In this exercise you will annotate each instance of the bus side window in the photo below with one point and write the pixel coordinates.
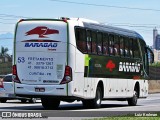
(122, 46)
(80, 40)
(131, 47)
(136, 49)
(105, 44)
(116, 45)
(145, 56)
(99, 43)
(127, 48)
(111, 41)
(88, 41)
(94, 42)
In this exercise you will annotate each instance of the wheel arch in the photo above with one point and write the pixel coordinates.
(137, 87)
(101, 85)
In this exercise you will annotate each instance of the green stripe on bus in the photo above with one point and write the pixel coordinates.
(15, 33)
(87, 59)
(67, 51)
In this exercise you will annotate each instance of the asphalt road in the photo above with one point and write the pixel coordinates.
(150, 106)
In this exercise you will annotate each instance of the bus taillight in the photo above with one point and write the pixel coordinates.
(15, 76)
(67, 75)
(1, 84)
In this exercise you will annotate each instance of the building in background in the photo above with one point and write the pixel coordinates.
(156, 39)
(156, 55)
(156, 45)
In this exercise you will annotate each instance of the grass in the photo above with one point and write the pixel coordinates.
(127, 118)
(155, 64)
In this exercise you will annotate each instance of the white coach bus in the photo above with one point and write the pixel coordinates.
(71, 59)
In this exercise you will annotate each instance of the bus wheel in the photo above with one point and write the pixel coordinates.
(86, 103)
(133, 101)
(50, 103)
(98, 99)
(3, 100)
(32, 100)
(96, 102)
(23, 100)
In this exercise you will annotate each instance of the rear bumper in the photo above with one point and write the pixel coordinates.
(62, 98)
(49, 90)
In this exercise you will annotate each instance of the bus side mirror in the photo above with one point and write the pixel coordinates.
(151, 55)
(152, 61)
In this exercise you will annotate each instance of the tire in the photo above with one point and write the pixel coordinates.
(96, 102)
(23, 100)
(133, 101)
(3, 100)
(50, 103)
(32, 100)
(86, 103)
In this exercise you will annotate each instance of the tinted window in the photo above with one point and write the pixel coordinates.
(8, 78)
(89, 42)
(127, 47)
(80, 39)
(131, 48)
(111, 44)
(99, 43)
(122, 46)
(94, 42)
(105, 44)
(136, 49)
(116, 45)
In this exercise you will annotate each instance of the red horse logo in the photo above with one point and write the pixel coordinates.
(42, 31)
(110, 65)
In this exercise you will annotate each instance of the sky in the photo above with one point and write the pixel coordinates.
(141, 16)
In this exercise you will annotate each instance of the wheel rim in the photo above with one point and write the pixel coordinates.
(34, 100)
(135, 95)
(98, 101)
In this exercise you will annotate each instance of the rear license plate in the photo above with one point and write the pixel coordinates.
(40, 89)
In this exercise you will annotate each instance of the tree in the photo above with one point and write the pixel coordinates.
(4, 52)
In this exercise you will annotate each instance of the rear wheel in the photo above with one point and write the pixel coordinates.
(133, 101)
(23, 100)
(3, 100)
(32, 100)
(50, 103)
(94, 103)
(86, 103)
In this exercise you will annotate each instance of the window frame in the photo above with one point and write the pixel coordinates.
(105, 39)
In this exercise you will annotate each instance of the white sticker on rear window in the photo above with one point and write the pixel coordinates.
(59, 71)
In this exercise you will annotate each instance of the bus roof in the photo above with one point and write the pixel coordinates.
(116, 30)
(96, 25)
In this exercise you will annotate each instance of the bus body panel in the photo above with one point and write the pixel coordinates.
(45, 46)
(50, 90)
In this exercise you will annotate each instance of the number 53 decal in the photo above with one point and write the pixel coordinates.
(21, 59)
